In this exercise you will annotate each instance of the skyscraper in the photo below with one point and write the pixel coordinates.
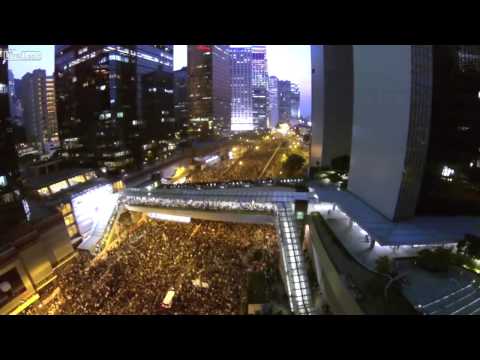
(209, 88)
(452, 170)
(34, 104)
(260, 86)
(52, 125)
(332, 103)
(242, 90)
(284, 103)
(114, 103)
(11, 208)
(180, 92)
(16, 111)
(294, 103)
(273, 101)
(392, 88)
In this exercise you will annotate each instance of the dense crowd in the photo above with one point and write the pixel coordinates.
(205, 262)
(166, 202)
(248, 166)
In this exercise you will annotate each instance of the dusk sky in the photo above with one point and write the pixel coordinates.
(287, 62)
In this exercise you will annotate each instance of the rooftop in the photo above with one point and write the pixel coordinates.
(455, 292)
(54, 177)
(358, 278)
(421, 230)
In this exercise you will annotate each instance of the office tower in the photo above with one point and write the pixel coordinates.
(114, 104)
(180, 93)
(259, 86)
(452, 169)
(209, 88)
(11, 92)
(16, 111)
(11, 207)
(273, 101)
(242, 94)
(284, 103)
(294, 103)
(391, 125)
(34, 104)
(52, 126)
(332, 103)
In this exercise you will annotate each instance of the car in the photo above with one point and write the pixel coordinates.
(168, 299)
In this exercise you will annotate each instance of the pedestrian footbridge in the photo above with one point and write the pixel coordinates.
(255, 204)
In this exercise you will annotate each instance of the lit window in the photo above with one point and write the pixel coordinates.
(69, 220)
(72, 231)
(44, 192)
(3, 181)
(65, 209)
(61, 185)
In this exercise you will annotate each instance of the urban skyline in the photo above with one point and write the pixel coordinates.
(287, 62)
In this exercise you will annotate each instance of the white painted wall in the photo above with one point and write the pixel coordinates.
(382, 87)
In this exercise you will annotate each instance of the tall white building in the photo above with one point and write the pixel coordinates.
(260, 86)
(242, 94)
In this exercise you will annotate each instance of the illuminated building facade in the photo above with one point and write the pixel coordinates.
(114, 104)
(273, 101)
(294, 103)
(209, 89)
(34, 104)
(181, 99)
(284, 103)
(52, 126)
(259, 86)
(242, 95)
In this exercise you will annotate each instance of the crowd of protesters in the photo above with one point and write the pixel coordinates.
(205, 263)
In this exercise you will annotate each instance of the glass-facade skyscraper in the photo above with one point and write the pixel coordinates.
(114, 104)
(180, 92)
(11, 207)
(284, 103)
(242, 94)
(294, 103)
(209, 88)
(273, 101)
(259, 86)
(34, 103)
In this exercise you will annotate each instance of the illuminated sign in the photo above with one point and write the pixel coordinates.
(204, 48)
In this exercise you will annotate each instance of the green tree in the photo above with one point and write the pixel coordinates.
(293, 165)
(437, 260)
